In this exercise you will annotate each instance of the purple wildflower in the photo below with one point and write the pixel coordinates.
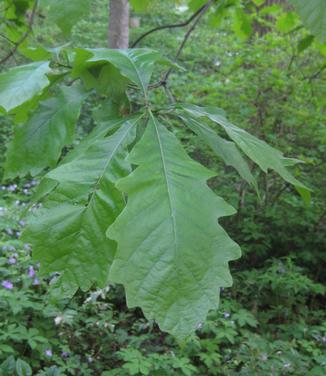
(12, 261)
(31, 272)
(323, 339)
(36, 282)
(7, 285)
(27, 247)
(12, 188)
(281, 269)
(21, 223)
(65, 354)
(4, 248)
(11, 248)
(48, 352)
(226, 315)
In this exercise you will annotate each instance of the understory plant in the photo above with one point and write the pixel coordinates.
(127, 204)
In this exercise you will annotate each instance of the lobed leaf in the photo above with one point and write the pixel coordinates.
(172, 255)
(135, 64)
(68, 234)
(264, 155)
(38, 143)
(20, 84)
(223, 148)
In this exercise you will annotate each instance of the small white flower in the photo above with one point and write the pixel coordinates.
(58, 320)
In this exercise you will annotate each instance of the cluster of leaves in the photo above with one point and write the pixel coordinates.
(278, 329)
(156, 257)
(159, 254)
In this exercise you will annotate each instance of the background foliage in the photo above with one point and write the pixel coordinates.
(272, 321)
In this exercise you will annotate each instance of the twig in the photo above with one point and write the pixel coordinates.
(316, 74)
(170, 26)
(169, 94)
(198, 15)
(7, 39)
(203, 10)
(24, 36)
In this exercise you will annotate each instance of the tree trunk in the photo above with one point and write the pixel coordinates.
(263, 29)
(118, 24)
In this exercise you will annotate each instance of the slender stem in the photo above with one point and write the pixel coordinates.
(203, 10)
(7, 39)
(199, 14)
(316, 74)
(24, 36)
(169, 26)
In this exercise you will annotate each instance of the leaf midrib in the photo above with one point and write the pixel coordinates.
(137, 72)
(167, 183)
(98, 181)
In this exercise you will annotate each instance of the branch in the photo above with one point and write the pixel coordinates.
(203, 10)
(24, 36)
(7, 39)
(316, 74)
(170, 26)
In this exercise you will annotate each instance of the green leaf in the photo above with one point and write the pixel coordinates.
(38, 143)
(225, 149)
(313, 15)
(259, 2)
(135, 64)
(242, 24)
(68, 235)
(22, 368)
(20, 84)
(140, 5)
(47, 184)
(172, 255)
(286, 22)
(265, 156)
(305, 43)
(67, 13)
(194, 5)
(8, 366)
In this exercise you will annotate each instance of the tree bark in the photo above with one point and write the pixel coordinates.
(262, 30)
(119, 24)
